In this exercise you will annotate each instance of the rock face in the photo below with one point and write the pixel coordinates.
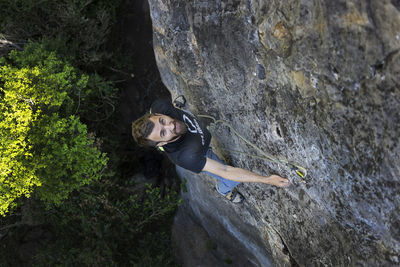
(313, 81)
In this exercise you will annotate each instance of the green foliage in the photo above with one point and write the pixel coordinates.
(109, 225)
(78, 27)
(184, 186)
(50, 110)
(68, 158)
(210, 245)
(228, 261)
(42, 143)
(153, 249)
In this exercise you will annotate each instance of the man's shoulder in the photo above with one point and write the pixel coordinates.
(161, 106)
(189, 156)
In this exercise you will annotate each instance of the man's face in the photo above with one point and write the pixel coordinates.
(166, 129)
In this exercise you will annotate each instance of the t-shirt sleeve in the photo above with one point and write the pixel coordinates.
(194, 162)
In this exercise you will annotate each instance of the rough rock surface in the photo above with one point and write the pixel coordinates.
(314, 81)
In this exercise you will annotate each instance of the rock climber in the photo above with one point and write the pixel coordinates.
(186, 141)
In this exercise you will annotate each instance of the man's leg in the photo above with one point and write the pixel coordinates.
(224, 186)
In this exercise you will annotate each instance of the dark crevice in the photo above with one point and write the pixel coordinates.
(286, 251)
(278, 132)
(382, 64)
(396, 4)
(371, 16)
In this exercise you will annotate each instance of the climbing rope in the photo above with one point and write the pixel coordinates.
(180, 102)
(300, 171)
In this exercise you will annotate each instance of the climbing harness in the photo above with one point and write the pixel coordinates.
(299, 170)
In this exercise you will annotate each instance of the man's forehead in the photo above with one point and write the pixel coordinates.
(154, 116)
(157, 116)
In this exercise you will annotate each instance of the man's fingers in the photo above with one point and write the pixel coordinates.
(278, 181)
(285, 183)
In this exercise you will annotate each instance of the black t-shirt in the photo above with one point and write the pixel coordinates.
(189, 151)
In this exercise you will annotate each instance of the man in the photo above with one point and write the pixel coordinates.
(187, 144)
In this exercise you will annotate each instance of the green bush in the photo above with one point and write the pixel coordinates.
(50, 109)
(43, 144)
(77, 27)
(109, 225)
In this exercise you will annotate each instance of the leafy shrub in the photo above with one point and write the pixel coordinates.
(79, 26)
(110, 225)
(42, 144)
(48, 146)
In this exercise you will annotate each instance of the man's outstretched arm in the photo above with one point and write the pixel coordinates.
(241, 175)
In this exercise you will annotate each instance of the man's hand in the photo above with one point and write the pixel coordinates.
(277, 181)
(241, 175)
